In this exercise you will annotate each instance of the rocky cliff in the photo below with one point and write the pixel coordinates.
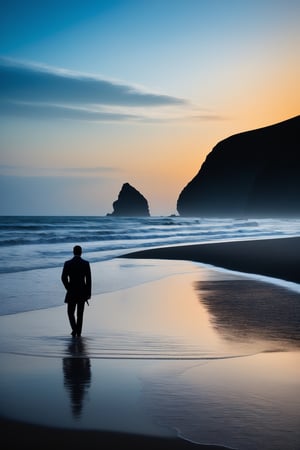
(254, 173)
(130, 203)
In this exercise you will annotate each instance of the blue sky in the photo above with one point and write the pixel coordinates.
(98, 93)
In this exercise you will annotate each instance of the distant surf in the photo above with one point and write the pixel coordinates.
(34, 242)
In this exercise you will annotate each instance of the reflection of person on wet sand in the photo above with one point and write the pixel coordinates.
(77, 375)
(76, 277)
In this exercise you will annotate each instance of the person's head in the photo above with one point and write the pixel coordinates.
(77, 250)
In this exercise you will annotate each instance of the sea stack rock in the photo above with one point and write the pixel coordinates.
(130, 203)
(254, 173)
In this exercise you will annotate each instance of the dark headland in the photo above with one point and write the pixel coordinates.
(250, 174)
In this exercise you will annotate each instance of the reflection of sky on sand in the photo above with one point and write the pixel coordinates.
(34, 390)
(196, 352)
(163, 319)
(246, 403)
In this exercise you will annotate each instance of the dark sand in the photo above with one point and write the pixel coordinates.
(17, 435)
(277, 258)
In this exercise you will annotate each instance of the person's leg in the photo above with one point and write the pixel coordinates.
(71, 315)
(80, 309)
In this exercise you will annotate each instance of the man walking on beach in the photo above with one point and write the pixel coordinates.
(76, 277)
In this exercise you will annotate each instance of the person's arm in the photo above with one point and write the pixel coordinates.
(65, 277)
(88, 280)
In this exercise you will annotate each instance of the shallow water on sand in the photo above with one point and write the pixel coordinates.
(211, 355)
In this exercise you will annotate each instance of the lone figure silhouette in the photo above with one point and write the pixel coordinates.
(76, 277)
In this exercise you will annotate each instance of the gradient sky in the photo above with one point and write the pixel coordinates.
(94, 94)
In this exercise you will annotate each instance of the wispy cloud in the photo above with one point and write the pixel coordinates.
(37, 110)
(40, 91)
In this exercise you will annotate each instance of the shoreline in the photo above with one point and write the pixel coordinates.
(276, 257)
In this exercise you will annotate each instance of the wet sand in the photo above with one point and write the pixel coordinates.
(166, 352)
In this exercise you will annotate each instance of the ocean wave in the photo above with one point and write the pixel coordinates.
(28, 243)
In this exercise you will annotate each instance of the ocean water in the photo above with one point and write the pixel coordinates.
(33, 249)
(29, 243)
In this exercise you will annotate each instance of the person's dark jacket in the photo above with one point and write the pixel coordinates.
(76, 277)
